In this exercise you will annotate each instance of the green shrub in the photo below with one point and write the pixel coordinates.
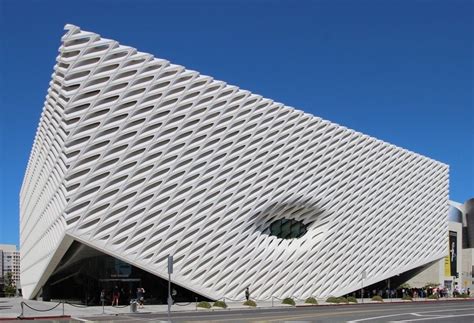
(407, 298)
(289, 301)
(250, 303)
(311, 300)
(433, 296)
(220, 304)
(332, 299)
(352, 299)
(463, 296)
(377, 298)
(204, 304)
(343, 300)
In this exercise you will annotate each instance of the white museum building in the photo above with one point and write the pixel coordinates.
(136, 158)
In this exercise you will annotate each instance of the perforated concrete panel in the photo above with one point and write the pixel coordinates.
(141, 158)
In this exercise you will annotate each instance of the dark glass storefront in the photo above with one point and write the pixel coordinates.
(84, 272)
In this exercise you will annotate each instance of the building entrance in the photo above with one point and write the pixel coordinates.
(127, 287)
(84, 273)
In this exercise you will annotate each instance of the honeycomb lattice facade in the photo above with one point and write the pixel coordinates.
(141, 158)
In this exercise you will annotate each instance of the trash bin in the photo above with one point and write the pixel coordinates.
(133, 306)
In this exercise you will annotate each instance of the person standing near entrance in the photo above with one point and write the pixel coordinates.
(115, 295)
(247, 293)
(173, 295)
(141, 296)
(102, 296)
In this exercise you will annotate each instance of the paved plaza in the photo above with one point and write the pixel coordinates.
(395, 310)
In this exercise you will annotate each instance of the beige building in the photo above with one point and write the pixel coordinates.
(456, 269)
(9, 262)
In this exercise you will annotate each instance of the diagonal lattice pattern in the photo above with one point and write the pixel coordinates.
(141, 158)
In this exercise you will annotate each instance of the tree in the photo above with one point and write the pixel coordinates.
(405, 285)
(9, 287)
(431, 285)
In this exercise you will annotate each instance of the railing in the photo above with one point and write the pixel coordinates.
(23, 305)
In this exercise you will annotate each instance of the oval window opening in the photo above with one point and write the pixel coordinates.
(287, 229)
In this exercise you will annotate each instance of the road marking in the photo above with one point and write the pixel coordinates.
(377, 317)
(415, 314)
(298, 316)
(264, 314)
(431, 318)
(339, 311)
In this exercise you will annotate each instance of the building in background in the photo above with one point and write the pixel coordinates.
(9, 262)
(136, 159)
(456, 269)
(467, 268)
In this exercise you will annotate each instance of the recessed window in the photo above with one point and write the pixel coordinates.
(287, 229)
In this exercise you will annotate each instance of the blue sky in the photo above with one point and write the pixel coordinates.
(399, 70)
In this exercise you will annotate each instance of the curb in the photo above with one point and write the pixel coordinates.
(395, 302)
(301, 306)
(35, 317)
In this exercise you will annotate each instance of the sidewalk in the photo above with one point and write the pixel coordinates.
(11, 307)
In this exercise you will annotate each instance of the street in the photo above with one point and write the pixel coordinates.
(459, 311)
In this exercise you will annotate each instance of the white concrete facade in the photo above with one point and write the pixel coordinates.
(141, 158)
(437, 272)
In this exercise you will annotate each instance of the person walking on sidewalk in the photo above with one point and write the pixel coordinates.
(102, 296)
(115, 295)
(247, 293)
(173, 295)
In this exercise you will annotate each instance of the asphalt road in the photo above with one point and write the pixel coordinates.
(406, 312)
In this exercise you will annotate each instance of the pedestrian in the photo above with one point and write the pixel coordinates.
(141, 296)
(173, 295)
(115, 295)
(130, 295)
(247, 293)
(102, 296)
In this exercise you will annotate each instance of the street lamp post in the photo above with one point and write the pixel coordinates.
(170, 271)
(389, 291)
(363, 276)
